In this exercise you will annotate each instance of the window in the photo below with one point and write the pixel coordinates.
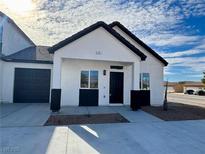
(89, 79)
(84, 79)
(1, 38)
(144, 81)
(93, 79)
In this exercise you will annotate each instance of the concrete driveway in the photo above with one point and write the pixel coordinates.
(144, 138)
(22, 114)
(22, 132)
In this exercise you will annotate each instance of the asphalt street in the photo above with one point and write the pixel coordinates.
(187, 99)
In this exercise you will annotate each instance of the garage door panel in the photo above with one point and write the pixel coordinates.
(31, 85)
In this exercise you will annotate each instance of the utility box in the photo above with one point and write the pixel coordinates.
(139, 98)
(55, 100)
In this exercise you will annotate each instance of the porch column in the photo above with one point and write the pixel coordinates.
(134, 100)
(56, 90)
(57, 64)
(136, 76)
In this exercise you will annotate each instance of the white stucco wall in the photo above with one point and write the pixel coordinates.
(1, 71)
(70, 81)
(97, 45)
(8, 77)
(152, 66)
(102, 49)
(13, 40)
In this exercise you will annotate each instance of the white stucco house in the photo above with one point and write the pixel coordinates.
(99, 65)
(17, 51)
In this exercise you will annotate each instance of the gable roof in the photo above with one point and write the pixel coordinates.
(17, 27)
(92, 28)
(125, 30)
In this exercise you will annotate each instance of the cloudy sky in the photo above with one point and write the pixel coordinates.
(173, 28)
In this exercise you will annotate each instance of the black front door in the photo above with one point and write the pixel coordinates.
(116, 87)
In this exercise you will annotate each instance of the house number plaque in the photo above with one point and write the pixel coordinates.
(98, 53)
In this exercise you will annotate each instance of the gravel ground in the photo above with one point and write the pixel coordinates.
(57, 120)
(177, 111)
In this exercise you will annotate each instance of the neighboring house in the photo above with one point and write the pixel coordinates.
(16, 51)
(171, 87)
(181, 87)
(99, 65)
(191, 85)
(12, 39)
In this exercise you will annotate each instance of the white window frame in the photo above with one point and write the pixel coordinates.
(89, 78)
(141, 80)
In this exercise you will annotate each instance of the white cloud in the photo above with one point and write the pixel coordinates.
(194, 64)
(199, 49)
(193, 7)
(181, 53)
(171, 39)
(52, 21)
(189, 60)
(185, 69)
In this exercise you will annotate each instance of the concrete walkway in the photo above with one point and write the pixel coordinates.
(22, 132)
(132, 116)
(22, 115)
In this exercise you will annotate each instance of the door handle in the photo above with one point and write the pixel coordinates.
(110, 94)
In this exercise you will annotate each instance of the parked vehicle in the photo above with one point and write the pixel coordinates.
(200, 92)
(189, 92)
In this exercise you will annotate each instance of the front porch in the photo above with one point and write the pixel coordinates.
(125, 111)
(95, 82)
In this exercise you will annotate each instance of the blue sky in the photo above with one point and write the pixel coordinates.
(173, 28)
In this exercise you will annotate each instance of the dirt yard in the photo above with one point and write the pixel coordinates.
(85, 119)
(177, 111)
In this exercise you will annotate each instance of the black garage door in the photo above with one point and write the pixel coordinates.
(31, 85)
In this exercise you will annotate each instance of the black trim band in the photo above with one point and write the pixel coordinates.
(88, 97)
(27, 61)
